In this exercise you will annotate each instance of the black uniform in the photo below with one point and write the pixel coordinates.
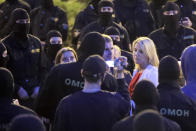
(136, 18)
(24, 51)
(6, 9)
(126, 124)
(48, 17)
(95, 26)
(177, 106)
(188, 9)
(90, 112)
(166, 45)
(8, 111)
(68, 79)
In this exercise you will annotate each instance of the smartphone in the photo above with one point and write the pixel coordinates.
(110, 63)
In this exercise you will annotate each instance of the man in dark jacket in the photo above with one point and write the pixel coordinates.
(135, 16)
(8, 110)
(105, 10)
(173, 37)
(48, 17)
(65, 79)
(86, 16)
(6, 9)
(91, 109)
(188, 12)
(24, 52)
(174, 104)
(146, 96)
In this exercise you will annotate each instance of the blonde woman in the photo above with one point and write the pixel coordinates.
(146, 62)
(66, 55)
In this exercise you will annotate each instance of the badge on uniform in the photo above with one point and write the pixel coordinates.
(188, 37)
(35, 51)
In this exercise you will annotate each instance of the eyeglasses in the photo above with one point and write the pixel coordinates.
(22, 21)
(107, 9)
(170, 13)
(56, 40)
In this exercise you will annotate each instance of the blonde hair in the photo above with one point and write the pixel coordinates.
(149, 49)
(107, 38)
(63, 50)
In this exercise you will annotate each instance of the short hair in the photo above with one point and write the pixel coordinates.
(63, 50)
(148, 120)
(107, 38)
(149, 49)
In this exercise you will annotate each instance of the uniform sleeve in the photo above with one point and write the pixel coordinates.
(126, 40)
(61, 118)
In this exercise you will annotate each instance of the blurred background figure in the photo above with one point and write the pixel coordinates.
(136, 18)
(48, 17)
(146, 62)
(156, 7)
(66, 55)
(33, 3)
(8, 110)
(188, 68)
(3, 55)
(26, 123)
(6, 9)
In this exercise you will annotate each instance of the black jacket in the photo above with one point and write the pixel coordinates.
(8, 111)
(136, 18)
(175, 105)
(90, 111)
(44, 20)
(5, 11)
(167, 45)
(63, 80)
(24, 61)
(126, 124)
(95, 26)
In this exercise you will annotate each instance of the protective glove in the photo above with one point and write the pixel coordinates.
(22, 93)
(35, 92)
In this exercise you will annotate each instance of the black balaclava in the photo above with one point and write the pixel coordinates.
(20, 22)
(145, 94)
(51, 48)
(3, 55)
(112, 32)
(92, 43)
(169, 69)
(6, 83)
(105, 18)
(26, 122)
(47, 4)
(171, 22)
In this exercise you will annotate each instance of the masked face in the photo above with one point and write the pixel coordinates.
(160, 2)
(53, 47)
(22, 26)
(171, 18)
(11, 1)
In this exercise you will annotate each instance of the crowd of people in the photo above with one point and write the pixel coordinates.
(130, 66)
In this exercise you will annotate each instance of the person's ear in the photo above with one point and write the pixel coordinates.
(82, 73)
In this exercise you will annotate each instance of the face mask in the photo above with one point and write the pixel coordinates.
(47, 3)
(171, 18)
(22, 26)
